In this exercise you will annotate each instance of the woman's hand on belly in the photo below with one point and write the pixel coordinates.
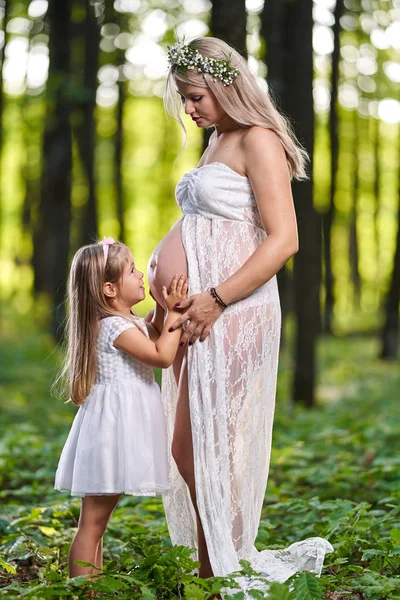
(201, 311)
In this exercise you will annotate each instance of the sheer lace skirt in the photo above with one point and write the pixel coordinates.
(232, 384)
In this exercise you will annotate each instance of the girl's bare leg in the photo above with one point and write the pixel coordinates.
(99, 555)
(87, 544)
(182, 451)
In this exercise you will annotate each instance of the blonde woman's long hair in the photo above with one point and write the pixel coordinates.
(87, 306)
(245, 101)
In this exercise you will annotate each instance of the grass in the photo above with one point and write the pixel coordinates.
(335, 472)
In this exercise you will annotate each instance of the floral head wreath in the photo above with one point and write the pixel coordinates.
(183, 56)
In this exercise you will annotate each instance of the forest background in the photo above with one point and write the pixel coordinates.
(86, 151)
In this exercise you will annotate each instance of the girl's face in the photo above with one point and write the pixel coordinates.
(130, 286)
(201, 104)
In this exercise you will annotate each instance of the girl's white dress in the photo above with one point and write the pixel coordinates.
(117, 443)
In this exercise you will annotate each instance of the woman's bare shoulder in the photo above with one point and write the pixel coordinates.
(261, 144)
(260, 138)
(262, 149)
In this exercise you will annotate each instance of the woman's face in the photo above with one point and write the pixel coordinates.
(201, 104)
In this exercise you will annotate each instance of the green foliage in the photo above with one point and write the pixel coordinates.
(307, 587)
(7, 567)
(279, 591)
(334, 472)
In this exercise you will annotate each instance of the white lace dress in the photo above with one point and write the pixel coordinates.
(117, 443)
(232, 383)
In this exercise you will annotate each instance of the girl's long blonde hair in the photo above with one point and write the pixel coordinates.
(245, 101)
(87, 306)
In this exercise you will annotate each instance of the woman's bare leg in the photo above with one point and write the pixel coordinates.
(87, 544)
(182, 451)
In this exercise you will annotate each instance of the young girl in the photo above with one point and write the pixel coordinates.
(117, 443)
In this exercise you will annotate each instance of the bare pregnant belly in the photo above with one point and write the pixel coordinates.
(167, 259)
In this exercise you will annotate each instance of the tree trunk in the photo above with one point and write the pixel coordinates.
(377, 196)
(390, 332)
(51, 236)
(272, 29)
(228, 23)
(329, 216)
(298, 102)
(32, 125)
(29, 172)
(86, 126)
(353, 231)
(119, 149)
(119, 136)
(6, 5)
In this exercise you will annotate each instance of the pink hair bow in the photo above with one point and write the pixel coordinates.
(106, 242)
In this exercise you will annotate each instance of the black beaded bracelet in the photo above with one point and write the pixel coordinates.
(217, 297)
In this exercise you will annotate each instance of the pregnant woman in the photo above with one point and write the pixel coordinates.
(238, 229)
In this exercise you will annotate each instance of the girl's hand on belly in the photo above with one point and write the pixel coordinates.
(201, 310)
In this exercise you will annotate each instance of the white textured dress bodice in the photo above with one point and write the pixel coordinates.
(113, 365)
(216, 191)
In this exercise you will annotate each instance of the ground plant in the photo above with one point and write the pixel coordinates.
(335, 472)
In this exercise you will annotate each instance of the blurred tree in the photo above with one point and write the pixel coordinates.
(52, 227)
(375, 135)
(363, 79)
(119, 153)
(84, 119)
(272, 30)
(390, 332)
(4, 6)
(287, 30)
(122, 24)
(298, 103)
(119, 135)
(32, 131)
(329, 215)
(228, 23)
(353, 225)
(32, 124)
